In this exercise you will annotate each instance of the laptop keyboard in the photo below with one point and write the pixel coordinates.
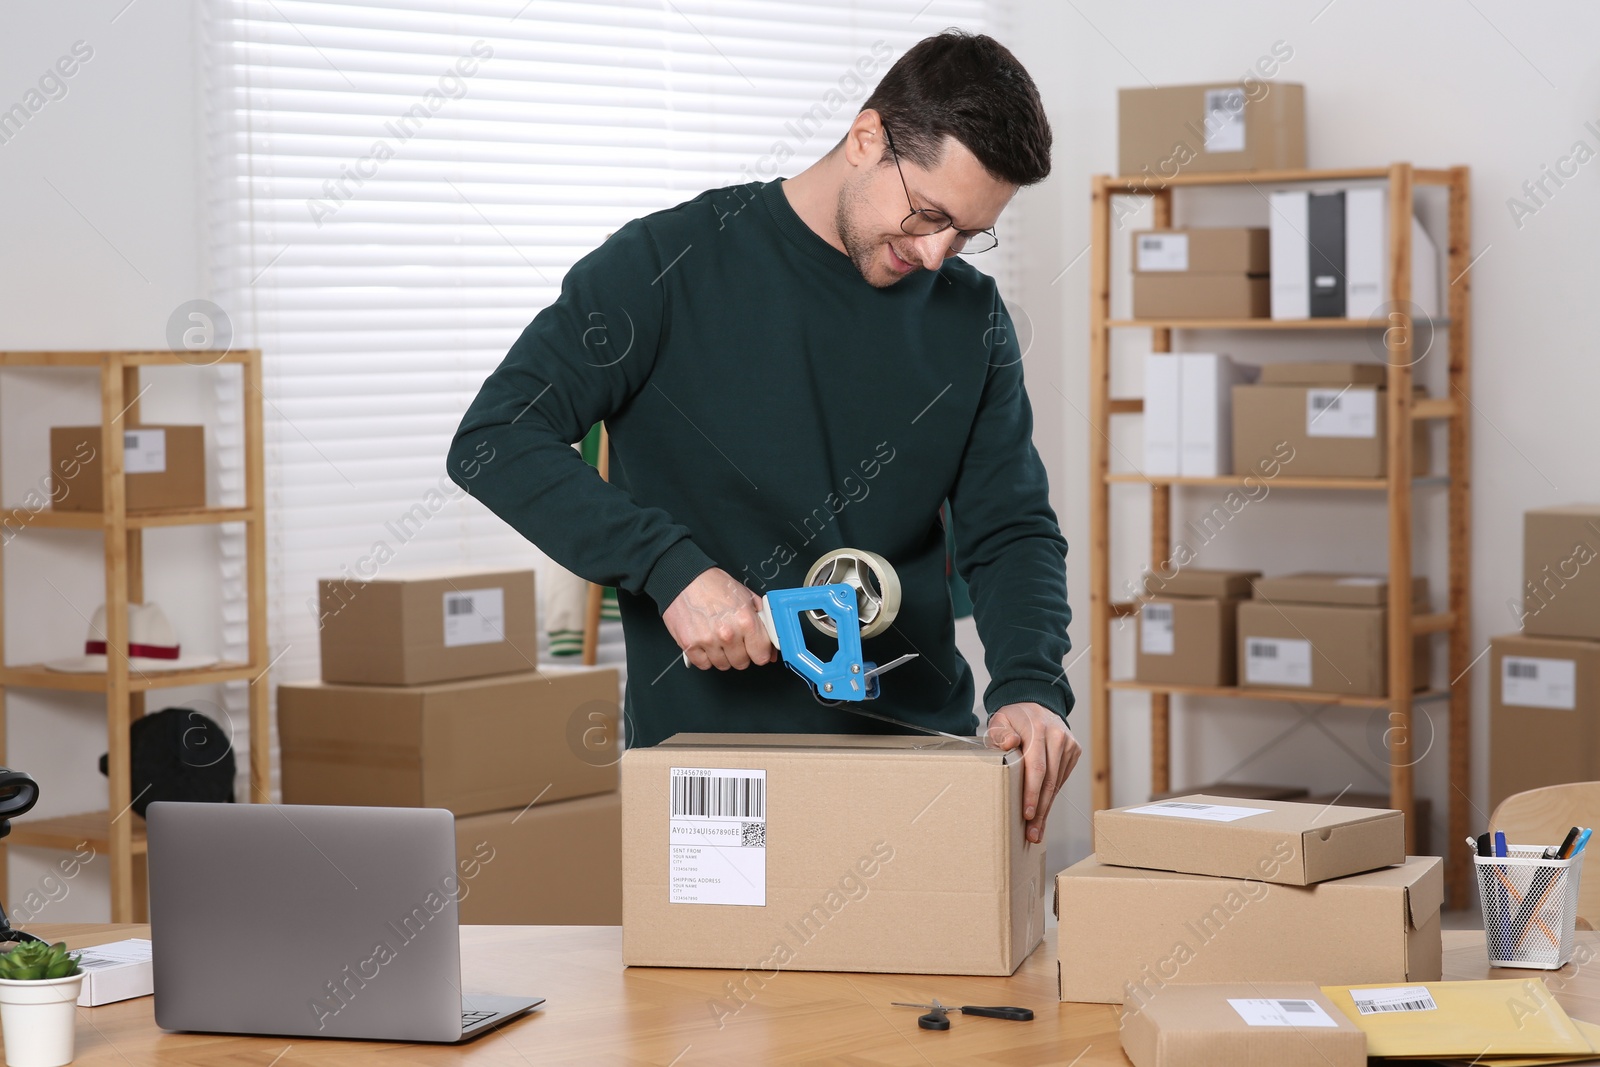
(470, 1018)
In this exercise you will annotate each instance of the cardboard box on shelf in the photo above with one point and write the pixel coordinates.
(844, 846)
(1186, 641)
(1561, 581)
(1163, 131)
(1324, 372)
(1334, 587)
(545, 865)
(1211, 250)
(1127, 935)
(1218, 583)
(1350, 799)
(1336, 431)
(428, 626)
(1322, 648)
(1285, 1024)
(1271, 840)
(1237, 791)
(1200, 296)
(164, 467)
(469, 746)
(1544, 697)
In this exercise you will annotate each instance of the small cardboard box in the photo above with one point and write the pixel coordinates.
(1544, 698)
(1335, 431)
(1186, 641)
(1237, 791)
(1212, 250)
(1322, 648)
(428, 627)
(1560, 547)
(1284, 1024)
(543, 865)
(1126, 935)
(824, 852)
(1350, 799)
(1324, 372)
(1167, 130)
(1272, 840)
(469, 746)
(1201, 296)
(164, 467)
(118, 970)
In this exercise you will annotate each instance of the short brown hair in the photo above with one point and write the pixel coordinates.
(970, 87)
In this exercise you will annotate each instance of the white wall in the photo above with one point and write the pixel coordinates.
(99, 207)
(1506, 92)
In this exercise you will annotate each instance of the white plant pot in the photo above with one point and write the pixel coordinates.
(39, 1020)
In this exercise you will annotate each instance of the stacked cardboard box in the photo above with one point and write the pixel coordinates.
(1330, 417)
(431, 696)
(1544, 682)
(1250, 124)
(1212, 889)
(1187, 627)
(1201, 274)
(1325, 633)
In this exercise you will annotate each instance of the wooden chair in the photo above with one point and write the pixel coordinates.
(1543, 816)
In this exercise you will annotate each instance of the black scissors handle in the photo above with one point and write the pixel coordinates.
(934, 1020)
(1021, 1015)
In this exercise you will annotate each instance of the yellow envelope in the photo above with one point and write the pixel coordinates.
(1589, 1030)
(1511, 1017)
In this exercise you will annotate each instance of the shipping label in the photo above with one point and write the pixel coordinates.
(1224, 120)
(1163, 251)
(1534, 682)
(1341, 412)
(474, 617)
(1188, 809)
(1393, 998)
(144, 451)
(1269, 1011)
(1155, 629)
(1277, 661)
(717, 839)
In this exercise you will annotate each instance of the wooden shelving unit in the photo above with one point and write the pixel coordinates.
(116, 831)
(1403, 410)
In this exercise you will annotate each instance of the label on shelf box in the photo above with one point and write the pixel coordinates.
(144, 451)
(474, 617)
(1345, 412)
(1277, 661)
(1530, 682)
(717, 837)
(1163, 251)
(1155, 629)
(1224, 120)
(1273, 1012)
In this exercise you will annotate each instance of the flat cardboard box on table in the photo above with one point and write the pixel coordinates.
(165, 468)
(1347, 441)
(1167, 130)
(1349, 798)
(1544, 697)
(428, 626)
(1200, 1026)
(894, 854)
(469, 746)
(1561, 571)
(1127, 934)
(1271, 840)
(543, 865)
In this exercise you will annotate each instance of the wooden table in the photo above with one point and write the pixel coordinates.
(602, 1013)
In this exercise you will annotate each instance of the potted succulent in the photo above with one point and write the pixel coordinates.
(39, 986)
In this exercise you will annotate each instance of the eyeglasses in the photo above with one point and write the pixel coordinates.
(925, 221)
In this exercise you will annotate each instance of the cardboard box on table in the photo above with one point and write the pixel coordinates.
(1325, 633)
(428, 626)
(543, 865)
(470, 746)
(1242, 1024)
(896, 854)
(1127, 934)
(164, 467)
(1273, 840)
(1561, 571)
(1186, 627)
(1544, 697)
(1163, 131)
(1349, 798)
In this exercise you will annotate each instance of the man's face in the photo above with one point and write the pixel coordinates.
(872, 206)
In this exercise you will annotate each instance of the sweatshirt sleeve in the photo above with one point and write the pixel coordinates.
(580, 361)
(1009, 547)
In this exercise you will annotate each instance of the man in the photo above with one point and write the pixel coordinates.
(791, 367)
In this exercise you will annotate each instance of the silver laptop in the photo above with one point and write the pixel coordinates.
(311, 921)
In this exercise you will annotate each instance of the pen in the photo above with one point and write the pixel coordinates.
(1483, 845)
(1499, 843)
(1557, 851)
(1583, 839)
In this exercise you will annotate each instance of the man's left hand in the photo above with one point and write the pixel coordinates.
(1049, 752)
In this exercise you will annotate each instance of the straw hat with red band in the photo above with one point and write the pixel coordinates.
(152, 645)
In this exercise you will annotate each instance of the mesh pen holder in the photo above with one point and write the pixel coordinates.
(1530, 907)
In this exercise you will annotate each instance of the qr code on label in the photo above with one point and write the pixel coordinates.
(753, 834)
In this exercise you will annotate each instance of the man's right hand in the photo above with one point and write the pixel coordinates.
(715, 622)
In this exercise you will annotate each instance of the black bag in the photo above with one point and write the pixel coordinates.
(179, 754)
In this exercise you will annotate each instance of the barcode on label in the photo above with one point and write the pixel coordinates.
(1263, 650)
(720, 797)
(1301, 1006)
(1368, 1008)
(458, 603)
(1325, 403)
(1522, 669)
(1151, 243)
(1401, 998)
(1158, 613)
(1184, 804)
(89, 963)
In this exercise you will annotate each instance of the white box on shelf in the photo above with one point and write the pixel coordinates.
(1205, 412)
(1290, 256)
(1161, 414)
(1366, 220)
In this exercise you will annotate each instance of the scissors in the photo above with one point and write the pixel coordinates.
(938, 1017)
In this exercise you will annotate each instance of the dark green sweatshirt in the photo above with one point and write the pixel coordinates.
(766, 405)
